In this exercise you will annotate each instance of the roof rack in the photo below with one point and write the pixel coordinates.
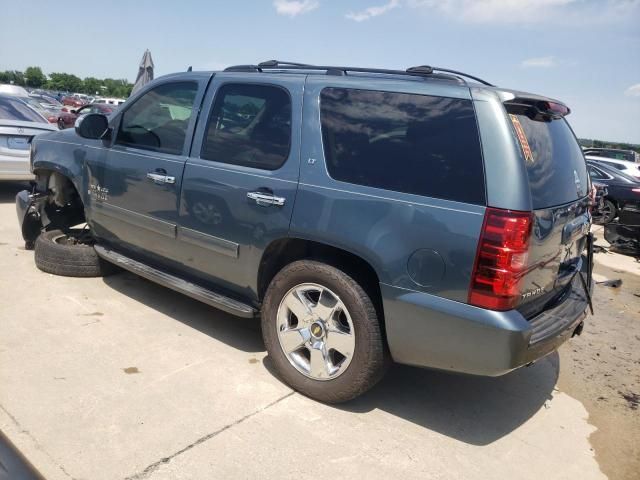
(419, 71)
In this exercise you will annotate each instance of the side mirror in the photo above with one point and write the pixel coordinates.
(92, 126)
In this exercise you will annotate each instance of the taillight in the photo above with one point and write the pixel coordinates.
(636, 190)
(501, 259)
(52, 119)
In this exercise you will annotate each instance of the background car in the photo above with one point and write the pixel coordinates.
(622, 190)
(68, 119)
(615, 153)
(628, 168)
(19, 123)
(110, 101)
(73, 101)
(47, 101)
(15, 90)
(51, 114)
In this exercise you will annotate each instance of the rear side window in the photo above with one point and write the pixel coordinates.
(416, 144)
(555, 164)
(250, 125)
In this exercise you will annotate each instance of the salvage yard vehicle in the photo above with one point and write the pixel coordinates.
(631, 169)
(622, 190)
(423, 216)
(19, 123)
(68, 119)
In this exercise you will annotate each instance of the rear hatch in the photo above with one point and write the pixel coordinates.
(559, 186)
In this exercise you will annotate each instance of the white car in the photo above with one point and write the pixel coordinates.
(110, 101)
(630, 168)
(15, 90)
(19, 123)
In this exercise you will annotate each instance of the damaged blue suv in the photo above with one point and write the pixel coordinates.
(365, 215)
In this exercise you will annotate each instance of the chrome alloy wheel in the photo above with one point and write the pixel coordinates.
(315, 331)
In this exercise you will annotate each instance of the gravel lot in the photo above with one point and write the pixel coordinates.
(120, 378)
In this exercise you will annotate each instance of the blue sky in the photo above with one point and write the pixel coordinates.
(584, 52)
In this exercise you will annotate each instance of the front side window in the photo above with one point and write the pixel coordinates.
(250, 125)
(418, 144)
(159, 119)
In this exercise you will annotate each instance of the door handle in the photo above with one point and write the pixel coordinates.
(161, 179)
(265, 199)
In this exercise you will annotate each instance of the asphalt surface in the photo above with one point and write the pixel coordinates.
(120, 378)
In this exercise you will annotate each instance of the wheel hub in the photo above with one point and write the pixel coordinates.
(315, 331)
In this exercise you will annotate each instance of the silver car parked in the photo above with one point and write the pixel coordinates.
(19, 123)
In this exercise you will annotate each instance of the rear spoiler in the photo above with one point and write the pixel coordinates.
(537, 109)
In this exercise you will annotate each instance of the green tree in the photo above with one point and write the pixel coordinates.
(34, 77)
(91, 86)
(64, 82)
(12, 76)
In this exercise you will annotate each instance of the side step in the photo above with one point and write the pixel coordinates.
(192, 290)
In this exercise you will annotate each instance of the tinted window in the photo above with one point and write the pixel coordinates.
(597, 174)
(554, 161)
(249, 125)
(14, 109)
(409, 143)
(159, 119)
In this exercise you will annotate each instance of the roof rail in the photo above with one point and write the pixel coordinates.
(419, 71)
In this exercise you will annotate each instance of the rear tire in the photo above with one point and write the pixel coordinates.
(337, 319)
(69, 255)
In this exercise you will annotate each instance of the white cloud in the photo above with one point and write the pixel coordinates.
(530, 11)
(371, 12)
(539, 62)
(633, 91)
(292, 8)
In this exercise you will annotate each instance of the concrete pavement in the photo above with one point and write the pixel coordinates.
(120, 378)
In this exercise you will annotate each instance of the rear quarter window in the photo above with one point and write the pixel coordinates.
(417, 144)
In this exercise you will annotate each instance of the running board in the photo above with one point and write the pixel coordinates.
(192, 290)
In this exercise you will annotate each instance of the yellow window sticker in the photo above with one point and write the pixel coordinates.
(522, 138)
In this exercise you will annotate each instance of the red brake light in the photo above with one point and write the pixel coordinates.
(501, 259)
(636, 190)
(558, 108)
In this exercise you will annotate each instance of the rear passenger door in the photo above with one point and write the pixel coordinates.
(240, 181)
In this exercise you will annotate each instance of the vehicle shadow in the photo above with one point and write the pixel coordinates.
(243, 334)
(9, 190)
(471, 409)
(474, 410)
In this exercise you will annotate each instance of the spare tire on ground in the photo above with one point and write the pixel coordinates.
(70, 254)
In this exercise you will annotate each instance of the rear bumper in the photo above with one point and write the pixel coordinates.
(15, 167)
(434, 332)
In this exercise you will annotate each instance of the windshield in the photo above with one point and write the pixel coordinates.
(14, 109)
(554, 160)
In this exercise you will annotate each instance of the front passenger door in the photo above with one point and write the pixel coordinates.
(136, 204)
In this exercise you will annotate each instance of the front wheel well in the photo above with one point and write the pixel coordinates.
(285, 251)
(63, 205)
